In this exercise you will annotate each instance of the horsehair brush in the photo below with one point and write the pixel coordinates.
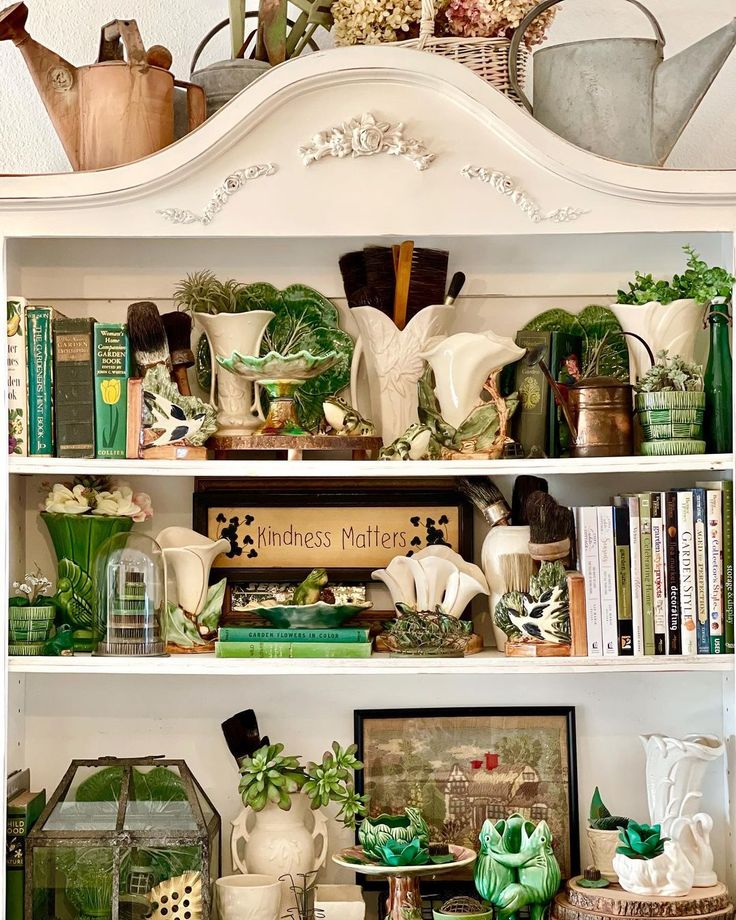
(178, 329)
(551, 528)
(524, 486)
(147, 336)
(487, 498)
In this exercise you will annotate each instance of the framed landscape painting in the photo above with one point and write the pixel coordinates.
(461, 766)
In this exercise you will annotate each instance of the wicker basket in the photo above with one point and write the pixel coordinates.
(488, 57)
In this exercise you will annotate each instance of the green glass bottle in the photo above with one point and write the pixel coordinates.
(719, 382)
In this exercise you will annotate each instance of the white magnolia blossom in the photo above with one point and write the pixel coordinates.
(120, 503)
(80, 500)
(62, 500)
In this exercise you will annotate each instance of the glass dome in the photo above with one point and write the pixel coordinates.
(131, 596)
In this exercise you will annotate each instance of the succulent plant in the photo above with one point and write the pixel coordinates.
(268, 776)
(375, 833)
(640, 841)
(400, 853)
(600, 817)
(671, 374)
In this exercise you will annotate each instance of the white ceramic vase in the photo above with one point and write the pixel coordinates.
(602, 851)
(190, 555)
(462, 363)
(669, 875)
(238, 412)
(497, 559)
(675, 769)
(340, 902)
(276, 842)
(672, 326)
(394, 364)
(248, 897)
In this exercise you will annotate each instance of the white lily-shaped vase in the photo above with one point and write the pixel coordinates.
(462, 363)
(394, 363)
(190, 554)
(238, 412)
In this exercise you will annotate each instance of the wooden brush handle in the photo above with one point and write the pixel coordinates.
(403, 279)
(181, 379)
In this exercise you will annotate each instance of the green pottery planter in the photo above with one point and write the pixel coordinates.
(77, 539)
(669, 416)
(26, 649)
(30, 624)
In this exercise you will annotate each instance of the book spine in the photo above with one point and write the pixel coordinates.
(587, 530)
(112, 370)
(659, 574)
(688, 582)
(135, 419)
(534, 394)
(40, 345)
(254, 634)
(647, 574)
(564, 350)
(637, 594)
(700, 520)
(74, 388)
(19, 821)
(673, 575)
(728, 563)
(622, 537)
(714, 506)
(292, 649)
(17, 378)
(578, 621)
(607, 566)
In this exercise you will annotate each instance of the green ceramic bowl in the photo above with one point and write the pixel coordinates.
(309, 616)
(26, 648)
(485, 915)
(676, 447)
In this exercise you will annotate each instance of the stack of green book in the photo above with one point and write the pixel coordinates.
(265, 642)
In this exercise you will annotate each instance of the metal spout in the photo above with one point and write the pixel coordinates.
(681, 82)
(55, 78)
(534, 356)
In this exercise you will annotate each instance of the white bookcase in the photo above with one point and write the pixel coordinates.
(93, 243)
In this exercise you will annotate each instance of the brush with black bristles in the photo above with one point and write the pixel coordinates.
(551, 529)
(147, 335)
(523, 488)
(487, 498)
(178, 328)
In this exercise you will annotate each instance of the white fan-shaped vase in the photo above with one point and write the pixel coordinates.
(190, 554)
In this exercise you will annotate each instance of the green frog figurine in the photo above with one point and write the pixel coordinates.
(309, 590)
(342, 419)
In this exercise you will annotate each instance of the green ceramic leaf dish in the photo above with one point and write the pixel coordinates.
(308, 616)
(305, 320)
(600, 332)
(300, 365)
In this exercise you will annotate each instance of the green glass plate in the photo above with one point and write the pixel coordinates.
(305, 320)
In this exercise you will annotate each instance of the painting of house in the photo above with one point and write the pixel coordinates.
(465, 767)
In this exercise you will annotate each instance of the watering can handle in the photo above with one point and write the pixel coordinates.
(110, 36)
(529, 19)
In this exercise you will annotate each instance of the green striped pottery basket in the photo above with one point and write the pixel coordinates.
(676, 447)
(26, 648)
(671, 416)
(30, 624)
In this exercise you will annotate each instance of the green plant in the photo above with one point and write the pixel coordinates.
(277, 38)
(269, 776)
(203, 292)
(698, 282)
(601, 819)
(671, 374)
(640, 841)
(32, 591)
(427, 631)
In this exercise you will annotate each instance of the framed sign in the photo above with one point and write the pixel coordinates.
(462, 766)
(280, 529)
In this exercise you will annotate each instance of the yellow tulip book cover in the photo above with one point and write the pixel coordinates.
(112, 369)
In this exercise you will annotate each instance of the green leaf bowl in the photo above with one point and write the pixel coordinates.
(308, 616)
(273, 366)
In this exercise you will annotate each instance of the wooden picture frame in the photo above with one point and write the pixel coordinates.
(468, 748)
(380, 520)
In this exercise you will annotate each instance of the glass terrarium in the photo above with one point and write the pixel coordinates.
(124, 840)
(131, 596)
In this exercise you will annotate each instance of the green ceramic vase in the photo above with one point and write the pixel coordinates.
(672, 422)
(77, 539)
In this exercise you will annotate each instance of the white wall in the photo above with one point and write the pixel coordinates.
(28, 143)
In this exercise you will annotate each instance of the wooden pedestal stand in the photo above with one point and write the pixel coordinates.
(612, 903)
(362, 448)
(531, 649)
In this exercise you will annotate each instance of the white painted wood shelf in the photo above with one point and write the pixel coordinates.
(487, 662)
(228, 469)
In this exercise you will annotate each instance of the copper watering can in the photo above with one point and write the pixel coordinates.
(111, 112)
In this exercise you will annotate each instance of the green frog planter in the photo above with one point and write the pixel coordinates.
(516, 867)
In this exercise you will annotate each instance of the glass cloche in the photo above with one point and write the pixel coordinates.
(131, 596)
(124, 840)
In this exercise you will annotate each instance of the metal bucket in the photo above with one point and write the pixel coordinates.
(225, 79)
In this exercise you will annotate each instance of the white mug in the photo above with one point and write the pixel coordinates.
(248, 897)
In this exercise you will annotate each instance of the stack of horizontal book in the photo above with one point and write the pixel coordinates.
(257, 642)
(658, 570)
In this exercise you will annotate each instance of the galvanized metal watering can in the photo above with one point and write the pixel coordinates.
(618, 97)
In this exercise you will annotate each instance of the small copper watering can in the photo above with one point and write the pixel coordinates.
(111, 112)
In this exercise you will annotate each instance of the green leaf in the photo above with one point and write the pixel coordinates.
(597, 808)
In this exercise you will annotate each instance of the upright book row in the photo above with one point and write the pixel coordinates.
(658, 570)
(67, 384)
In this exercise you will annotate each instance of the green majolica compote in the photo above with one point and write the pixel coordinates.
(281, 376)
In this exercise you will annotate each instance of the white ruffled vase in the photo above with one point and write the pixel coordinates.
(669, 875)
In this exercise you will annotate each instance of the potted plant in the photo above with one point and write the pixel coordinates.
(648, 863)
(668, 314)
(602, 832)
(275, 40)
(30, 614)
(670, 402)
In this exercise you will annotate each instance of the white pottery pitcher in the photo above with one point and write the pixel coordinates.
(191, 555)
(276, 842)
(237, 410)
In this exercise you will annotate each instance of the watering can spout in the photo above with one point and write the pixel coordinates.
(681, 82)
